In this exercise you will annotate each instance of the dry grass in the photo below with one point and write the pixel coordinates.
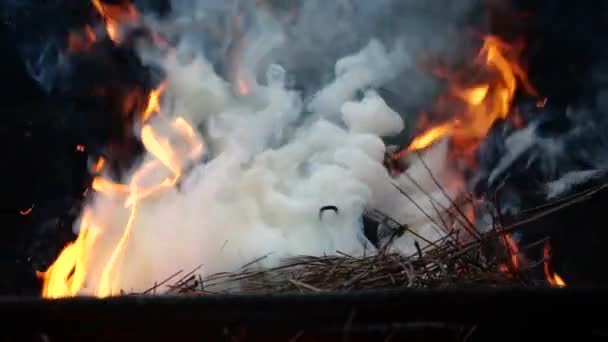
(446, 264)
(484, 259)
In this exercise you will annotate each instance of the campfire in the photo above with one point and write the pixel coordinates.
(247, 184)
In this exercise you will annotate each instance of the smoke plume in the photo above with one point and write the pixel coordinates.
(278, 149)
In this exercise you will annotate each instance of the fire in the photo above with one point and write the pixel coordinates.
(552, 278)
(115, 15)
(67, 275)
(173, 143)
(26, 211)
(429, 137)
(101, 163)
(81, 42)
(513, 250)
(153, 102)
(482, 104)
(556, 280)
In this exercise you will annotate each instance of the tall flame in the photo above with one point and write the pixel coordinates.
(483, 103)
(67, 275)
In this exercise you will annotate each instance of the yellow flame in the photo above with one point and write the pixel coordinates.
(67, 275)
(473, 96)
(558, 281)
(552, 278)
(115, 15)
(101, 163)
(426, 139)
(153, 102)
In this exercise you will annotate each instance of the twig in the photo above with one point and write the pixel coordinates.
(306, 286)
(156, 285)
(470, 224)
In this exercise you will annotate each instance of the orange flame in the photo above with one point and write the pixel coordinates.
(101, 163)
(153, 102)
(513, 250)
(483, 103)
(429, 137)
(552, 278)
(115, 15)
(81, 42)
(67, 275)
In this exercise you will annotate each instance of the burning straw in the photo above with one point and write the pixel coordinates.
(444, 265)
(485, 262)
(490, 260)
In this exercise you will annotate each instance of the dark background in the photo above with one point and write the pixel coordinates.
(41, 166)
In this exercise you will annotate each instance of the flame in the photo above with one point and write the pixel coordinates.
(101, 163)
(67, 275)
(429, 137)
(557, 281)
(483, 104)
(115, 15)
(552, 278)
(513, 250)
(26, 211)
(81, 42)
(153, 102)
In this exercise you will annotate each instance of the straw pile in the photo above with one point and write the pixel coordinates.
(444, 263)
(487, 260)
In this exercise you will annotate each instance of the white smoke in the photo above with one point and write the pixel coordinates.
(563, 150)
(569, 180)
(273, 160)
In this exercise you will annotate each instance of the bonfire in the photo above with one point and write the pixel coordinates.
(247, 186)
